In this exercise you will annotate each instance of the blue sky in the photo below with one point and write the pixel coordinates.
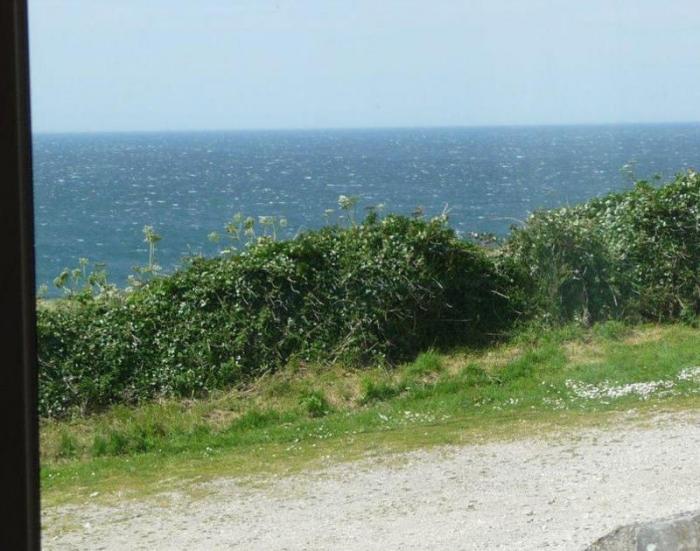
(120, 65)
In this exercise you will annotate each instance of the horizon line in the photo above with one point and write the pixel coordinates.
(379, 128)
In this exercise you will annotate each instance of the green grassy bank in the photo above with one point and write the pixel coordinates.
(308, 414)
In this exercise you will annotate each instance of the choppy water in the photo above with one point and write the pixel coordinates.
(95, 192)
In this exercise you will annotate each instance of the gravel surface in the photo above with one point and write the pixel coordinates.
(555, 492)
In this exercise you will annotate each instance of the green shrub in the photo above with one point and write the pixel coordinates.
(632, 255)
(381, 291)
(569, 264)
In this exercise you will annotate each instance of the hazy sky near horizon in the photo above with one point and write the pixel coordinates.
(122, 65)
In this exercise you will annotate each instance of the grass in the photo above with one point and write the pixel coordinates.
(309, 415)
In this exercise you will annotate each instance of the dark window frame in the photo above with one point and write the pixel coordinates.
(19, 501)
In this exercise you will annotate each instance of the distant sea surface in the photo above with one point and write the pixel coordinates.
(95, 192)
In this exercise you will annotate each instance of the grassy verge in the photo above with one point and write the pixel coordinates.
(309, 415)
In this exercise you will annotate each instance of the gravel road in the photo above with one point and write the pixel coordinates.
(554, 492)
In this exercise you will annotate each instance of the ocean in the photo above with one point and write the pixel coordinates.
(95, 192)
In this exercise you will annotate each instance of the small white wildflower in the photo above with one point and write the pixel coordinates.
(689, 374)
(346, 203)
(606, 390)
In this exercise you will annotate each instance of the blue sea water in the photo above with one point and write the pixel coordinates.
(95, 192)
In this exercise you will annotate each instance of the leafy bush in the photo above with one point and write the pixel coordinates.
(632, 255)
(380, 291)
(377, 292)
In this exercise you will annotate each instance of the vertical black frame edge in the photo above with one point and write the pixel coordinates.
(19, 502)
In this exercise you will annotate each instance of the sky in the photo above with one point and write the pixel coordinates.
(143, 65)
